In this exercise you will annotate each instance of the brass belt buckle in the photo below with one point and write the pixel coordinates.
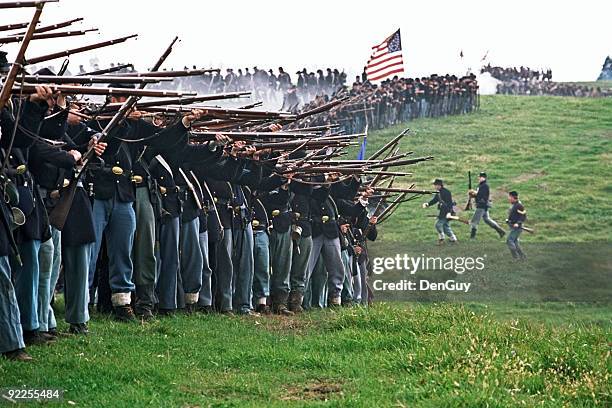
(117, 171)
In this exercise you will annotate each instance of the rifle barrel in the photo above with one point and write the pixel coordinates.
(188, 72)
(7, 87)
(107, 70)
(77, 50)
(15, 26)
(19, 37)
(19, 4)
(198, 98)
(88, 90)
(52, 79)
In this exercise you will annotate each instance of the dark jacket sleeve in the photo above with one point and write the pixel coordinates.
(44, 153)
(30, 119)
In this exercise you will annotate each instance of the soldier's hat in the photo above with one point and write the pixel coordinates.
(438, 182)
(482, 174)
(4, 64)
(513, 194)
(44, 71)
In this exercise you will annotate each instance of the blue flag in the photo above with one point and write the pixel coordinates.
(362, 150)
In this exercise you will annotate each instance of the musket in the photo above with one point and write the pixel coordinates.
(388, 145)
(77, 50)
(386, 213)
(17, 38)
(7, 86)
(316, 128)
(252, 105)
(18, 4)
(59, 214)
(308, 144)
(16, 26)
(199, 98)
(402, 162)
(107, 70)
(88, 90)
(53, 79)
(173, 74)
(52, 27)
(303, 115)
(251, 135)
(402, 190)
(468, 205)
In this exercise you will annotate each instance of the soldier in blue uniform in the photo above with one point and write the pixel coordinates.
(444, 199)
(516, 218)
(483, 203)
(30, 112)
(114, 194)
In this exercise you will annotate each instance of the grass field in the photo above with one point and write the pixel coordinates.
(534, 345)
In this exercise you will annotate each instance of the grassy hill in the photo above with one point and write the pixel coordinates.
(524, 336)
(389, 355)
(557, 152)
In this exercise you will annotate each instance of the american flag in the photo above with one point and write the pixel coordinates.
(386, 59)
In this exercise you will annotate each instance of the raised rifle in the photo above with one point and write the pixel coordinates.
(7, 87)
(192, 99)
(19, 4)
(59, 214)
(173, 74)
(88, 90)
(468, 205)
(52, 27)
(77, 50)
(15, 26)
(99, 79)
(19, 37)
(107, 70)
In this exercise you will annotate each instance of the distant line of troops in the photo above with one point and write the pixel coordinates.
(397, 100)
(204, 227)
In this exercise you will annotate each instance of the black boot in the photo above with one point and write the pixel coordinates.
(279, 304)
(124, 313)
(500, 231)
(473, 233)
(295, 302)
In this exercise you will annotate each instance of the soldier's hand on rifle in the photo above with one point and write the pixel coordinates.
(331, 176)
(237, 147)
(425, 205)
(358, 250)
(368, 192)
(135, 115)
(43, 94)
(373, 220)
(76, 155)
(195, 114)
(275, 127)
(222, 140)
(99, 148)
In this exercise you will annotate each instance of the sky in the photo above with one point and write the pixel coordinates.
(570, 37)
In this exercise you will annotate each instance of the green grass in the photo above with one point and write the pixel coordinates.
(524, 337)
(557, 152)
(389, 355)
(600, 84)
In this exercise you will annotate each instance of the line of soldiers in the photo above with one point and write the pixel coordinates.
(398, 100)
(267, 86)
(481, 195)
(161, 224)
(519, 74)
(539, 88)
